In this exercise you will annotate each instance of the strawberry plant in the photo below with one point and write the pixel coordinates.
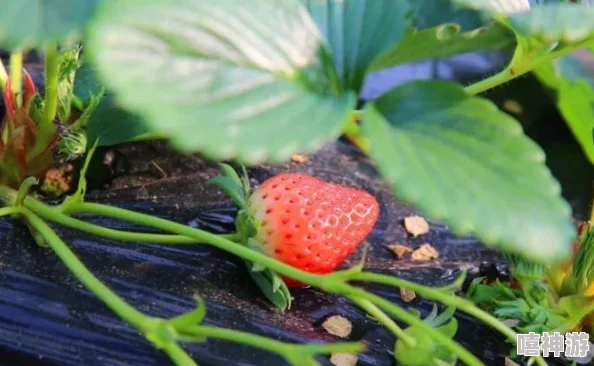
(259, 83)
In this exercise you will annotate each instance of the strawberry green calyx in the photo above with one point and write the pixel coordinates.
(425, 350)
(580, 277)
(72, 145)
(239, 190)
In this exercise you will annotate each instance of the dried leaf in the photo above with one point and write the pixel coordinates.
(299, 159)
(416, 225)
(399, 250)
(338, 325)
(425, 253)
(407, 295)
(343, 359)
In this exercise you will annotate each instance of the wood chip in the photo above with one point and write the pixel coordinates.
(399, 250)
(425, 253)
(416, 225)
(299, 159)
(343, 359)
(338, 325)
(407, 295)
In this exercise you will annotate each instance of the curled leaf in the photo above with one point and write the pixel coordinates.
(425, 351)
(229, 186)
(191, 318)
(228, 171)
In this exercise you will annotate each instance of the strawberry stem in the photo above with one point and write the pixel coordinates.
(3, 76)
(16, 77)
(47, 128)
(327, 283)
(57, 217)
(51, 87)
(166, 333)
(334, 283)
(78, 269)
(353, 131)
(409, 318)
(445, 298)
(380, 316)
(290, 351)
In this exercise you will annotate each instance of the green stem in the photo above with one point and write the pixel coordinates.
(459, 303)
(144, 323)
(322, 282)
(149, 325)
(513, 71)
(409, 318)
(52, 69)
(47, 128)
(6, 211)
(24, 189)
(16, 76)
(3, 77)
(381, 317)
(462, 304)
(178, 355)
(78, 269)
(267, 344)
(354, 132)
(199, 235)
(54, 215)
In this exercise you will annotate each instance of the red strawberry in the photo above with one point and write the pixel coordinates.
(311, 224)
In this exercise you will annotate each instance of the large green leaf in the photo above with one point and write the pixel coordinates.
(444, 41)
(570, 23)
(575, 97)
(86, 84)
(358, 31)
(109, 123)
(443, 30)
(31, 23)
(461, 160)
(113, 125)
(433, 13)
(229, 78)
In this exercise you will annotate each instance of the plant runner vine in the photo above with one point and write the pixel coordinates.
(165, 333)
(160, 332)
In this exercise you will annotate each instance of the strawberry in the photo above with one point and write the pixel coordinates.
(310, 224)
(299, 220)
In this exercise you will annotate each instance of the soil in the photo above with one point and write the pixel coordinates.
(48, 318)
